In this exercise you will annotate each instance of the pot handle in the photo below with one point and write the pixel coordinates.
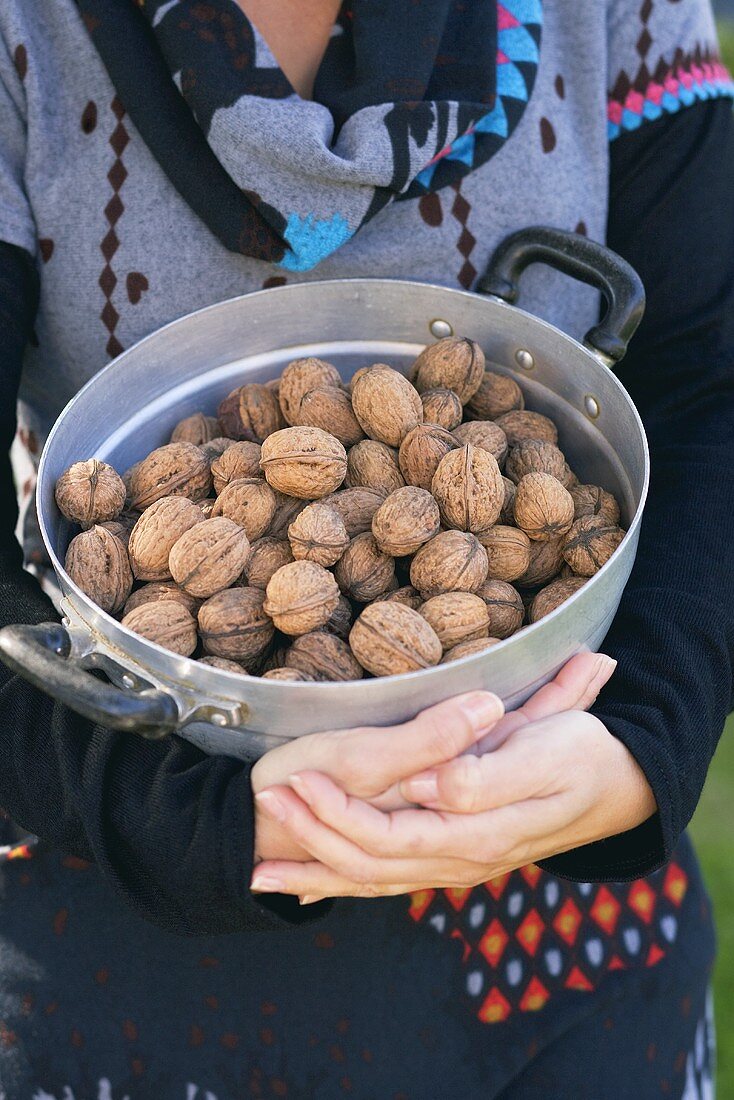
(41, 655)
(584, 260)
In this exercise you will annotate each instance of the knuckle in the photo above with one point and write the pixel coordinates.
(462, 785)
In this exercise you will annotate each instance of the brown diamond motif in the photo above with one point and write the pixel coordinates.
(644, 42)
(117, 108)
(117, 174)
(114, 209)
(466, 242)
(114, 347)
(646, 10)
(110, 316)
(108, 281)
(460, 208)
(110, 245)
(467, 275)
(120, 139)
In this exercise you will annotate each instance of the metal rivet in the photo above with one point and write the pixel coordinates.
(592, 406)
(524, 359)
(219, 719)
(440, 329)
(128, 681)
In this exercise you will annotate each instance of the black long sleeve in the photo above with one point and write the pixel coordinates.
(170, 828)
(672, 217)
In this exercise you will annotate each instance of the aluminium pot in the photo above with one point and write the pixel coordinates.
(131, 407)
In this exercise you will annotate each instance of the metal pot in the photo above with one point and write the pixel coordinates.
(132, 405)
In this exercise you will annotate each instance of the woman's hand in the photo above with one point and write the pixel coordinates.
(369, 763)
(555, 780)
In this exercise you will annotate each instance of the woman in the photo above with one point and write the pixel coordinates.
(160, 155)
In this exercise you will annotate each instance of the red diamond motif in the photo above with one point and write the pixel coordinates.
(615, 963)
(641, 899)
(654, 955)
(530, 931)
(675, 884)
(493, 942)
(578, 980)
(605, 910)
(457, 898)
(534, 997)
(496, 886)
(567, 921)
(495, 1007)
(531, 874)
(419, 902)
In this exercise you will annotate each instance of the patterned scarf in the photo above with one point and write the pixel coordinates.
(410, 96)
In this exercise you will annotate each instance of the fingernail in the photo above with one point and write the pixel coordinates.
(482, 709)
(606, 666)
(422, 788)
(272, 805)
(264, 884)
(301, 787)
(308, 899)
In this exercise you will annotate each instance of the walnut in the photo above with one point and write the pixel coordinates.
(196, 429)
(453, 561)
(301, 597)
(363, 571)
(543, 508)
(153, 536)
(505, 607)
(553, 595)
(120, 530)
(307, 463)
(535, 456)
(386, 405)
(161, 590)
(176, 470)
(300, 376)
(323, 656)
(286, 674)
(507, 515)
(408, 518)
(456, 617)
(318, 534)
(497, 394)
(223, 664)
(240, 460)
(167, 623)
(215, 448)
(468, 649)
(442, 407)
(546, 560)
(267, 555)
(485, 434)
(468, 489)
(508, 552)
(592, 500)
(590, 544)
(90, 492)
(373, 465)
(341, 619)
(357, 506)
(97, 562)
(286, 510)
(390, 638)
(406, 595)
(421, 451)
(233, 624)
(455, 363)
(521, 425)
(331, 409)
(250, 412)
(363, 370)
(209, 557)
(250, 502)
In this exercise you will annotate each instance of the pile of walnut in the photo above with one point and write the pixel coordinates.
(312, 531)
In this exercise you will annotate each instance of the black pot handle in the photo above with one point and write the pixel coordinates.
(582, 259)
(40, 654)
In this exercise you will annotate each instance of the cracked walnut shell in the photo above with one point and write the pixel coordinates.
(389, 638)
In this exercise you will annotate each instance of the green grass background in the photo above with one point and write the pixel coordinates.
(712, 830)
